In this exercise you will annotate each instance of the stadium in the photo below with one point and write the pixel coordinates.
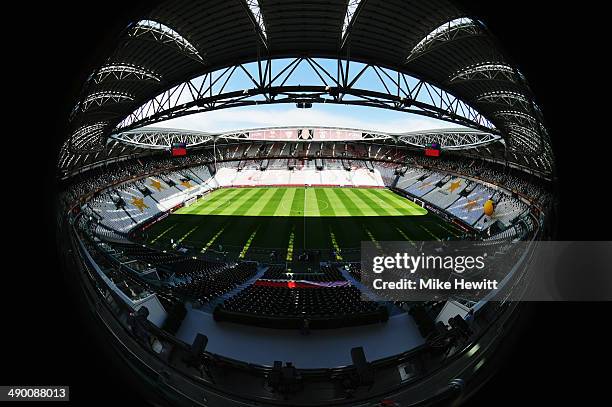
(226, 266)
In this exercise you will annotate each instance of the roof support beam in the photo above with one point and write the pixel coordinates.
(310, 80)
(449, 139)
(160, 138)
(353, 8)
(255, 14)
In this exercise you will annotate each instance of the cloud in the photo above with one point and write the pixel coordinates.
(364, 118)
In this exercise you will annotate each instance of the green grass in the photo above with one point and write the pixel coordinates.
(251, 222)
(294, 201)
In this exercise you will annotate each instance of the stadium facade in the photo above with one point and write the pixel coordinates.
(225, 268)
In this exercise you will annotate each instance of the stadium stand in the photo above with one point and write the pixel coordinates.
(410, 177)
(424, 185)
(284, 307)
(469, 208)
(126, 206)
(116, 202)
(206, 285)
(129, 204)
(448, 193)
(506, 211)
(190, 287)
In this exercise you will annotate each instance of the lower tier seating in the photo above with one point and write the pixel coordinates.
(281, 307)
(209, 285)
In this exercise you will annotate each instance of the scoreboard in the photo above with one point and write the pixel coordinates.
(432, 150)
(179, 149)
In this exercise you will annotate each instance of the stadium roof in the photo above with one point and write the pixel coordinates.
(458, 72)
(161, 138)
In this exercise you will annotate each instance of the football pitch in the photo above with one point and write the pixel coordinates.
(309, 201)
(251, 223)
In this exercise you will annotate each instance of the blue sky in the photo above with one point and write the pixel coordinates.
(326, 115)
